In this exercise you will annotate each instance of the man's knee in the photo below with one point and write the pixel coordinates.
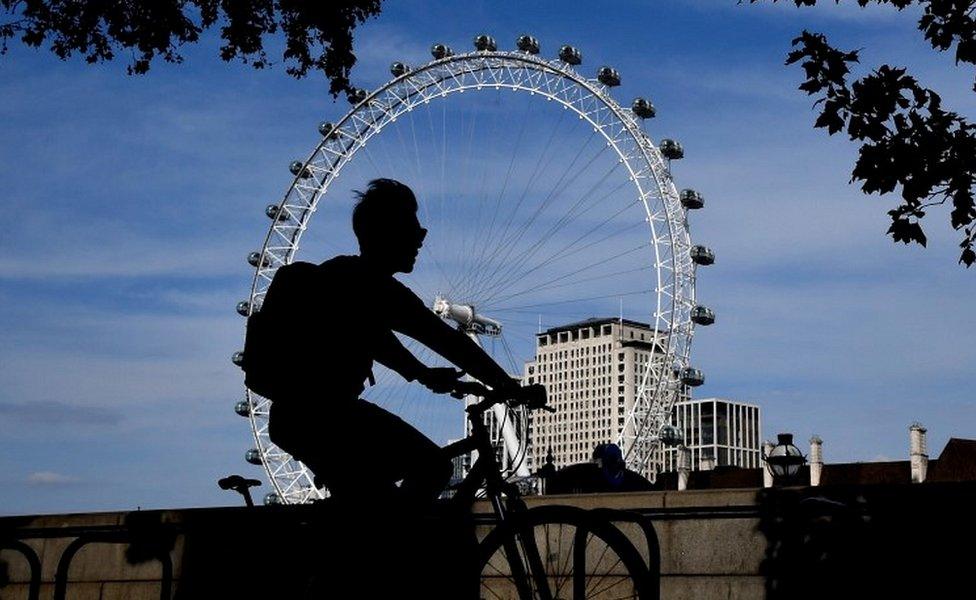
(446, 467)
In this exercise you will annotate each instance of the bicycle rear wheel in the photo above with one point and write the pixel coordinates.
(580, 557)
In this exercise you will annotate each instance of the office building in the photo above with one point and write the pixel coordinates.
(592, 371)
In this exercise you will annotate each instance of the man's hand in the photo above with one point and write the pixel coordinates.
(440, 380)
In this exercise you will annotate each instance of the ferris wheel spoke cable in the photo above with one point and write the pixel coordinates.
(563, 254)
(534, 176)
(454, 204)
(393, 384)
(574, 212)
(372, 161)
(479, 191)
(566, 254)
(565, 250)
(504, 239)
(483, 236)
(428, 253)
(510, 242)
(523, 307)
(493, 281)
(443, 151)
(511, 357)
(545, 285)
(506, 245)
(481, 239)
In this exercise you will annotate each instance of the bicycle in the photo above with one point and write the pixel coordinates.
(546, 552)
(552, 552)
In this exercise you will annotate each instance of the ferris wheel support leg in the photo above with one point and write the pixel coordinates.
(509, 437)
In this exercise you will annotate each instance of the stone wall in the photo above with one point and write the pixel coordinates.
(714, 544)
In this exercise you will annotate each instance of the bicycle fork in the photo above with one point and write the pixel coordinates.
(522, 552)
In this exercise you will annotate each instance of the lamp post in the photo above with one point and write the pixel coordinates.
(784, 460)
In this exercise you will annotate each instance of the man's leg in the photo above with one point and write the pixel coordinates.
(398, 451)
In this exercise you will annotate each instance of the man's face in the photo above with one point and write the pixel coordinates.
(406, 240)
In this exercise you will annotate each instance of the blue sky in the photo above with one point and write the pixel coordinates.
(131, 203)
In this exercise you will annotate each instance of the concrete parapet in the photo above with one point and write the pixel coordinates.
(714, 543)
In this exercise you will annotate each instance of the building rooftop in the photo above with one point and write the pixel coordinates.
(957, 462)
(717, 399)
(595, 321)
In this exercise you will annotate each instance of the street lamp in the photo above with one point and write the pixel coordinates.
(784, 460)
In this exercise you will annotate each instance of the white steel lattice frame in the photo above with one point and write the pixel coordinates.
(591, 101)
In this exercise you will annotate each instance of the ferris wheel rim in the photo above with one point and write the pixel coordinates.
(667, 195)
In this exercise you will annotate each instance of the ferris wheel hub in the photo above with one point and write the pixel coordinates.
(466, 317)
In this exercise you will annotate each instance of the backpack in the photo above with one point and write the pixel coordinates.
(265, 343)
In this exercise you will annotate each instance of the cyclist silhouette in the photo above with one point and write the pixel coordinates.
(355, 305)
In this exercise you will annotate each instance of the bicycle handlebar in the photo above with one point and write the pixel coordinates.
(532, 396)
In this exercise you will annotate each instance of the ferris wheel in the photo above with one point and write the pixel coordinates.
(546, 201)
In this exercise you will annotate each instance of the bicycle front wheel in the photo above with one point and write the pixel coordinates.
(561, 553)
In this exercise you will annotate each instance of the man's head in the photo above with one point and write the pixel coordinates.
(385, 223)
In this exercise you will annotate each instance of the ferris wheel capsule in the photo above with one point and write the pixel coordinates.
(485, 43)
(671, 149)
(243, 408)
(398, 69)
(439, 51)
(244, 308)
(702, 315)
(253, 456)
(671, 436)
(275, 212)
(692, 200)
(237, 358)
(298, 169)
(702, 255)
(643, 108)
(327, 129)
(356, 95)
(570, 55)
(608, 76)
(256, 258)
(692, 377)
(527, 44)
(271, 499)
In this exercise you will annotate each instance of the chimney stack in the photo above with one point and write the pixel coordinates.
(919, 452)
(684, 466)
(767, 474)
(816, 460)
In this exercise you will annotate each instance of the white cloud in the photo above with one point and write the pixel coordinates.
(50, 478)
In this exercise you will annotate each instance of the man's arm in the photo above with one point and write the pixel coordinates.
(391, 353)
(410, 317)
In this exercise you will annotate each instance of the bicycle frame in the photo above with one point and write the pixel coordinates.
(487, 470)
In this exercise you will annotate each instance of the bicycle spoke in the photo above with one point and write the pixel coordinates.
(620, 579)
(600, 561)
(565, 569)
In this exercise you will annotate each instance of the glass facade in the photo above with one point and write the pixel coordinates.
(725, 431)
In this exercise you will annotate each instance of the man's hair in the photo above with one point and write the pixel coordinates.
(382, 197)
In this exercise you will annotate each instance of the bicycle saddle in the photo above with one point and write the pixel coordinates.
(233, 482)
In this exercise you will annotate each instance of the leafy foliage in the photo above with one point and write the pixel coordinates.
(318, 35)
(908, 140)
